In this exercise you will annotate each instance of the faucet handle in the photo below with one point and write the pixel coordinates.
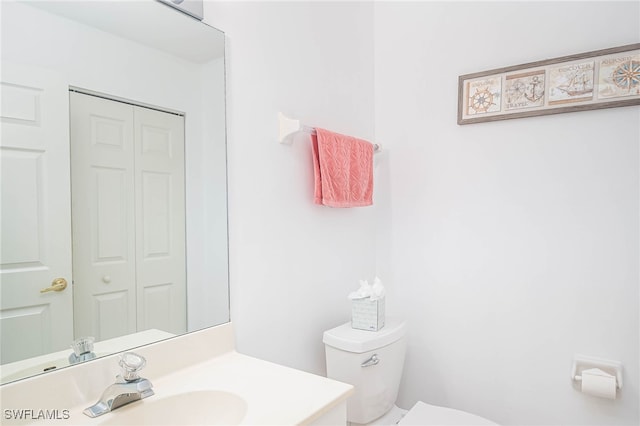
(82, 345)
(131, 363)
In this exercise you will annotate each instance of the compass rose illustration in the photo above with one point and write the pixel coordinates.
(627, 75)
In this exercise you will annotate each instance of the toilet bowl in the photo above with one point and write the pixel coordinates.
(423, 414)
(372, 361)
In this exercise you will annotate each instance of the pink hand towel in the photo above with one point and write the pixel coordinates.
(343, 170)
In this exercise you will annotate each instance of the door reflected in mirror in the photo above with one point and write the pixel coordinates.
(128, 218)
(147, 211)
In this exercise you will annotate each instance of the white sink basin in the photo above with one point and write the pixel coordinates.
(206, 407)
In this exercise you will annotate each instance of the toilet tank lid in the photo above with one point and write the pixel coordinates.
(358, 341)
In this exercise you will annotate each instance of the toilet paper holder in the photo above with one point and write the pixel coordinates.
(582, 362)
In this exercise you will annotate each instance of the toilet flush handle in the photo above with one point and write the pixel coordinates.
(374, 360)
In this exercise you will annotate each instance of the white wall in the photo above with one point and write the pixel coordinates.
(512, 245)
(292, 262)
(508, 246)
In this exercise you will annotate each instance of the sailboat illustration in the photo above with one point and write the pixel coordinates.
(580, 84)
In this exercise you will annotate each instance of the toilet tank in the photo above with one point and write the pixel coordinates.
(372, 362)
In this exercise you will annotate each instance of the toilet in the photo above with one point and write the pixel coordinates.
(372, 361)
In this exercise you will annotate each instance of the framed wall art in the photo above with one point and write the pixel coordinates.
(605, 78)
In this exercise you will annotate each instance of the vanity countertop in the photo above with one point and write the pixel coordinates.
(274, 394)
(269, 393)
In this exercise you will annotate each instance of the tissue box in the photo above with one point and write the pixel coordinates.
(367, 314)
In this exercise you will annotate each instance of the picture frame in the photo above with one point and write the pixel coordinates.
(606, 78)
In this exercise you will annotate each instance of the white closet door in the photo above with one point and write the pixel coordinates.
(102, 156)
(160, 219)
(128, 218)
(35, 226)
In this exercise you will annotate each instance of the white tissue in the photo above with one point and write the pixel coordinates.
(364, 291)
(599, 383)
(377, 289)
(374, 292)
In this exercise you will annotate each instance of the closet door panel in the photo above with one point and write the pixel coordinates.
(160, 234)
(103, 202)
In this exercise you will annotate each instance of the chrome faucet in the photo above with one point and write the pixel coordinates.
(82, 350)
(129, 387)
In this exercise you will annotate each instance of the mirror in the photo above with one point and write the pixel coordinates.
(145, 56)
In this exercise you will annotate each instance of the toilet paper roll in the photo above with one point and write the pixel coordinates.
(599, 383)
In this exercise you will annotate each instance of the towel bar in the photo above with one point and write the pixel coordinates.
(289, 126)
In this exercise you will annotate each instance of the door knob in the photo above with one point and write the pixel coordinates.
(58, 284)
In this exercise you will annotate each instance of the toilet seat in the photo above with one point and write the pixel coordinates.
(430, 415)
